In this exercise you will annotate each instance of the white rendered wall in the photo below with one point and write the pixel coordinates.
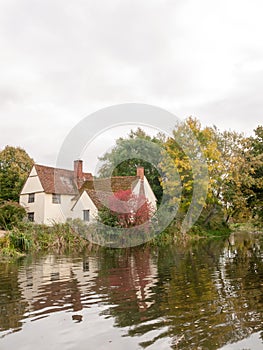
(37, 207)
(57, 213)
(32, 184)
(84, 203)
(148, 192)
(45, 212)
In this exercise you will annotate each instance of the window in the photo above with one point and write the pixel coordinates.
(31, 198)
(54, 276)
(86, 215)
(30, 216)
(85, 265)
(56, 198)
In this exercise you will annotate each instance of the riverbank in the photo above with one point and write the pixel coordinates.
(2, 233)
(28, 238)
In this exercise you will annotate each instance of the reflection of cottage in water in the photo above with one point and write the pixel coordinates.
(57, 283)
(143, 277)
(130, 277)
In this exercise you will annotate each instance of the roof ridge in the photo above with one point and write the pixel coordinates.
(115, 177)
(51, 167)
(64, 169)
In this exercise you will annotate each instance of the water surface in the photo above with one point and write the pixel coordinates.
(205, 295)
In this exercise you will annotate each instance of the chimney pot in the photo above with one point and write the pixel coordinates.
(140, 172)
(78, 169)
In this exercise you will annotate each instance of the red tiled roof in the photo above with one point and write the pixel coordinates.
(61, 181)
(98, 189)
(99, 198)
(114, 184)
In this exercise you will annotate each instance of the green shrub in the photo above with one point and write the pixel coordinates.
(11, 213)
(20, 241)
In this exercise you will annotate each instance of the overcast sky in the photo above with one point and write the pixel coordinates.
(62, 60)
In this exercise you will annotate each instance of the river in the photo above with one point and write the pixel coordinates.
(207, 294)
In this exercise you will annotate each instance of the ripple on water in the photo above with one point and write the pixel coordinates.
(206, 296)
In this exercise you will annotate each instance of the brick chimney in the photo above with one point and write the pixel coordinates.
(78, 170)
(140, 172)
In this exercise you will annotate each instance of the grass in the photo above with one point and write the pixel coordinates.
(28, 237)
(172, 234)
(247, 227)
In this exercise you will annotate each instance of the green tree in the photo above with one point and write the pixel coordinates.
(255, 159)
(184, 148)
(234, 164)
(128, 154)
(15, 165)
(241, 175)
(11, 213)
(233, 174)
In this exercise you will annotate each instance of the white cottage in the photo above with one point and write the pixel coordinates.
(48, 192)
(52, 195)
(95, 193)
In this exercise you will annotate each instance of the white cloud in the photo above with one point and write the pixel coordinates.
(61, 60)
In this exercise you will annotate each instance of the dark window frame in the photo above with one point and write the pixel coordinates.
(31, 216)
(31, 197)
(56, 198)
(86, 215)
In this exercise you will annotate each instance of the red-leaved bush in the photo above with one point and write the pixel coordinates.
(130, 209)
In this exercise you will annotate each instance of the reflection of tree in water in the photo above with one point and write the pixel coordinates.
(12, 307)
(249, 279)
(206, 295)
(127, 277)
(187, 296)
